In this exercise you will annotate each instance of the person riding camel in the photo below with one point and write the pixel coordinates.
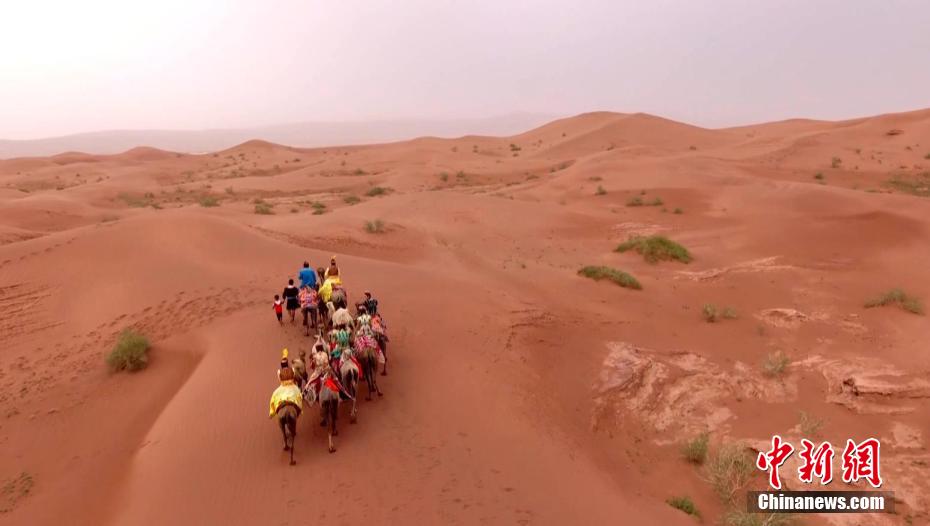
(287, 392)
(333, 270)
(300, 368)
(319, 364)
(370, 303)
(340, 339)
(364, 336)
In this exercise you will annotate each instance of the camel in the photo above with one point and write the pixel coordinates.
(348, 373)
(287, 418)
(329, 407)
(369, 360)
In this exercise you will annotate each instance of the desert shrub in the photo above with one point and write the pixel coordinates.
(729, 313)
(130, 352)
(836, 162)
(359, 171)
(375, 191)
(595, 178)
(137, 201)
(678, 211)
(374, 227)
(208, 201)
(897, 297)
(729, 470)
(617, 276)
(444, 176)
(264, 208)
(909, 186)
(809, 424)
(318, 207)
(744, 518)
(635, 201)
(656, 248)
(774, 364)
(656, 202)
(230, 190)
(818, 176)
(709, 313)
(352, 199)
(684, 504)
(695, 450)
(927, 156)
(600, 190)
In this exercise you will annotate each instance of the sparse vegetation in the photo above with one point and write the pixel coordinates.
(656, 202)
(374, 227)
(352, 199)
(897, 297)
(836, 162)
(15, 489)
(809, 425)
(920, 188)
(695, 450)
(598, 273)
(318, 208)
(744, 518)
(130, 352)
(208, 201)
(600, 190)
(712, 314)
(729, 470)
(264, 208)
(818, 176)
(443, 176)
(376, 191)
(595, 178)
(684, 504)
(230, 190)
(656, 248)
(927, 156)
(775, 364)
(678, 211)
(359, 171)
(137, 201)
(635, 201)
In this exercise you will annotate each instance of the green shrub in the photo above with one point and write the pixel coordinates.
(836, 162)
(744, 518)
(617, 276)
(684, 504)
(352, 199)
(709, 313)
(818, 176)
(695, 450)
(656, 248)
(774, 364)
(656, 202)
(810, 425)
(264, 208)
(600, 190)
(897, 297)
(635, 201)
(208, 201)
(130, 352)
(374, 227)
(729, 470)
(375, 191)
(444, 176)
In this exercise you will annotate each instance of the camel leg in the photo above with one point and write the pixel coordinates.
(353, 416)
(293, 437)
(283, 432)
(334, 407)
(384, 350)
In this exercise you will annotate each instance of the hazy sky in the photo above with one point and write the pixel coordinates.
(80, 65)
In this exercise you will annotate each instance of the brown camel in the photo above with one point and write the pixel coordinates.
(349, 374)
(369, 361)
(329, 405)
(287, 418)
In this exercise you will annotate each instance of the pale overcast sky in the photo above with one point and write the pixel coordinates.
(81, 65)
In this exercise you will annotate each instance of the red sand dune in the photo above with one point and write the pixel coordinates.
(496, 410)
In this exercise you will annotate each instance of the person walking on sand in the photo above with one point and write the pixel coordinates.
(278, 307)
(307, 276)
(291, 293)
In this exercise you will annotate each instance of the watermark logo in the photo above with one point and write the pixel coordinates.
(860, 461)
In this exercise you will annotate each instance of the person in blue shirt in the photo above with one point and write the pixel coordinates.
(307, 276)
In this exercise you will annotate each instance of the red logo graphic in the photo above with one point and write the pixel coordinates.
(860, 461)
(817, 463)
(773, 459)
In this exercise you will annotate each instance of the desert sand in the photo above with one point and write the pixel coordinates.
(519, 391)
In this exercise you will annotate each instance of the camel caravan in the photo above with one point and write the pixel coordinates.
(348, 349)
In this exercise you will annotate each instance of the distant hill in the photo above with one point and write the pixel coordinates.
(305, 134)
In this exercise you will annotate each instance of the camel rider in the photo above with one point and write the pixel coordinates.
(339, 298)
(370, 303)
(341, 339)
(307, 276)
(333, 270)
(319, 364)
(285, 373)
(363, 318)
(300, 368)
(342, 317)
(287, 392)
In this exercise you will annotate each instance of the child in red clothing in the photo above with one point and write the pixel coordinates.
(278, 307)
